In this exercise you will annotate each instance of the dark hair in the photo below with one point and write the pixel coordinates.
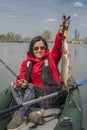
(34, 40)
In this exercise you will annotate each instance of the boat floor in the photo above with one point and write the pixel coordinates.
(48, 125)
(49, 122)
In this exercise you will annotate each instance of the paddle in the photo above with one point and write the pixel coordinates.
(9, 110)
(83, 82)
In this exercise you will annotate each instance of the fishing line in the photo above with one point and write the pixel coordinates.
(9, 69)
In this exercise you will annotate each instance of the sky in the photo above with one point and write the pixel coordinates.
(32, 17)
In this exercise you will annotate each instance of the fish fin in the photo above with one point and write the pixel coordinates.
(70, 67)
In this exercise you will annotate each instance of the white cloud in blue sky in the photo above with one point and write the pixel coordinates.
(32, 17)
(50, 20)
(78, 4)
(74, 15)
(83, 25)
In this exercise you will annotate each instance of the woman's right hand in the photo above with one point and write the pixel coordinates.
(64, 24)
(23, 83)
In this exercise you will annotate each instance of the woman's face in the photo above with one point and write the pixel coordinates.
(39, 49)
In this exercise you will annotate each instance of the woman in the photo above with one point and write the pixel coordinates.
(40, 68)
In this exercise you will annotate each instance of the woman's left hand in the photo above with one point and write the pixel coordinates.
(23, 83)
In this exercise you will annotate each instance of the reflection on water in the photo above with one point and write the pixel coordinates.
(76, 53)
(14, 53)
(78, 61)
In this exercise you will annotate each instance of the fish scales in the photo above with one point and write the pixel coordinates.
(65, 63)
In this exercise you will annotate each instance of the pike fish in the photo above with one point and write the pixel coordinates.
(65, 65)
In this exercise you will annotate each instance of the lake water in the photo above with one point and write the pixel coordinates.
(12, 54)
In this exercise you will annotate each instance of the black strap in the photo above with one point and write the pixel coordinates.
(29, 72)
(47, 76)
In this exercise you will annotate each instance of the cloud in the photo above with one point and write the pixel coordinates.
(12, 16)
(78, 4)
(50, 20)
(83, 25)
(74, 15)
(18, 20)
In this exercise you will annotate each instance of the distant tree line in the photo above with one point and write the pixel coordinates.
(12, 37)
(16, 37)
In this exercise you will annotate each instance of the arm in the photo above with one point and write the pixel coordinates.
(62, 33)
(21, 80)
(57, 48)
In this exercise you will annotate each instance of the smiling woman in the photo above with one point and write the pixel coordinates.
(38, 45)
(78, 61)
(41, 70)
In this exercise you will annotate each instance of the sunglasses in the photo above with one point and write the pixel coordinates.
(37, 48)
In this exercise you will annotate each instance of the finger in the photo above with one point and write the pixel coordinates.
(64, 17)
(26, 82)
(23, 85)
(69, 17)
(67, 22)
(20, 80)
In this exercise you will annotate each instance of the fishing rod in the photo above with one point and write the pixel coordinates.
(9, 69)
(84, 82)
